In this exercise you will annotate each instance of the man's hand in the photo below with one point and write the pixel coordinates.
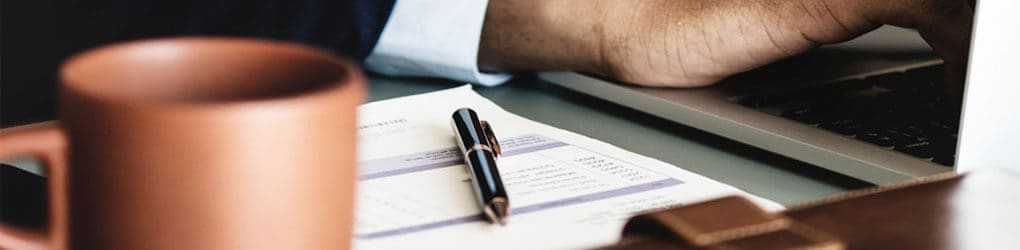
(684, 43)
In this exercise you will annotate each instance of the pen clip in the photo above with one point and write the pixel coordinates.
(491, 137)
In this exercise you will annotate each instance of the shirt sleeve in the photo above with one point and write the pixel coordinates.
(433, 38)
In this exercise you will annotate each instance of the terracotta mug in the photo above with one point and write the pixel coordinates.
(197, 143)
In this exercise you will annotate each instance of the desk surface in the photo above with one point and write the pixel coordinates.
(771, 176)
(759, 172)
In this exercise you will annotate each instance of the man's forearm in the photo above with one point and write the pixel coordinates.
(650, 42)
(541, 35)
(653, 42)
(697, 42)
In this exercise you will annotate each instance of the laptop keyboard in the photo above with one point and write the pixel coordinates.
(902, 111)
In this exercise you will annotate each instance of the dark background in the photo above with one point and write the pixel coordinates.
(39, 34)
(30, 55)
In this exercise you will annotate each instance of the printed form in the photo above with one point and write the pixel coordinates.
(566, 191)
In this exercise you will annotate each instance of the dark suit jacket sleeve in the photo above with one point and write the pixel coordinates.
(39, 34)
(347, 27)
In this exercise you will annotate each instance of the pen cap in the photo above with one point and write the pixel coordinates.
(469, 128)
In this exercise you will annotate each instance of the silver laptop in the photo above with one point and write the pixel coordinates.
(872, 109)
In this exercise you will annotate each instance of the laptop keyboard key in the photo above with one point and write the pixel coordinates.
(901, 138)
(843, 126)
(877, 138)
(920, 149)
(804, 115)
(915, 131)
(936, 128)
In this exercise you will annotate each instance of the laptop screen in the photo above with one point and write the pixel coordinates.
(990, 119)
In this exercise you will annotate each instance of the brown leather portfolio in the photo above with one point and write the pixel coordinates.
(980, 210)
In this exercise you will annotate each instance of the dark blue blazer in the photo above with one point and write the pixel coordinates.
(39, 34)
(347, 27)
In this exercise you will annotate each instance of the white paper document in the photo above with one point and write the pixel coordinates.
(566, 190)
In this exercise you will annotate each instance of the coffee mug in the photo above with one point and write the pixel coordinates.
(197, 143)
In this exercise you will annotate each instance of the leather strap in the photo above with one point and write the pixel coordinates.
(947, 211)
(727, 223)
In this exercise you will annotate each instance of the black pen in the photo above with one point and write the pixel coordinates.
(480, 149)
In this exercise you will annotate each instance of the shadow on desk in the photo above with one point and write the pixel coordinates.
(23, 201)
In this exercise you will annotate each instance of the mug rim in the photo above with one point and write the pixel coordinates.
(76, 78)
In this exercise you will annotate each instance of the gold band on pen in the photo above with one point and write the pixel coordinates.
(479, 147)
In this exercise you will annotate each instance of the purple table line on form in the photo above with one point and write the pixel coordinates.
(441, 158)
(668, 182)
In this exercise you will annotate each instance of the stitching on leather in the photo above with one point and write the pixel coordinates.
(719, 239)
(819, 240)
(749, 230)
(682, 227)
(868, 191)
(704, 239)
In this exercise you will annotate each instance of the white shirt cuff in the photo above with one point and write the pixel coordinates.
(433, 38)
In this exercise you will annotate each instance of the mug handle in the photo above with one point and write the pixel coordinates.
(46, 142)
